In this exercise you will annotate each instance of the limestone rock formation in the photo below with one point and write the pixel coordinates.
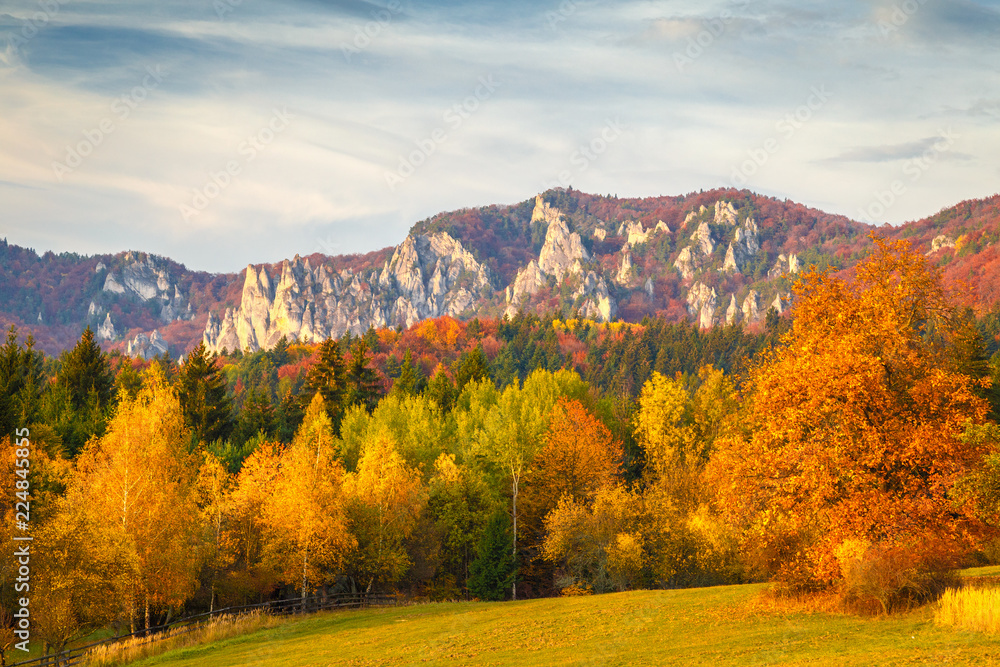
(107, 329)
(702, 301)
(751, 307)
(147, 347)
(725, 214)
(427, 276)
(784, 265)
(743, 248)
(145, 278)
(941, 241)
(600, 233)
(733, 313)
(685, 263)
(598, 304)
(624, 276)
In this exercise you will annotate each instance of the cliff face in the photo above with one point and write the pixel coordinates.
(715, 257)
(427, 276)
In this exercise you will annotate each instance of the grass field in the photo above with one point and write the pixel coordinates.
(731, 625)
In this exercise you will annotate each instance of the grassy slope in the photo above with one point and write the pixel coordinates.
(715, 626)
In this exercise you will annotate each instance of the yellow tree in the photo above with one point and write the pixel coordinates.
(851, 443)
(306, 537)
(386, 499)
(133, 490)
(213, 491)
(245, 525)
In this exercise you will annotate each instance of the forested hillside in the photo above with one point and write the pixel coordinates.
(848, 445)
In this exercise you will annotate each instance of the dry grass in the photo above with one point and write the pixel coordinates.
(970, 608)
(216, 629)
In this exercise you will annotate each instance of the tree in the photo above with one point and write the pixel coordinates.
(307, 538)
(203, 395)
(133, 491)
(471, 366)
(362, 383)
(850, 443)
(79, 404)
(328, 377)
(21, 384)
(386, 499)
(441, 389)
(410, 380)
(494, 571)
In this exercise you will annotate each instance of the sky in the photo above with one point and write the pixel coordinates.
(226, 132)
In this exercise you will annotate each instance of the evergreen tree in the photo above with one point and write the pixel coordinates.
(362, 383)
(279, 353)
(21, 383)
(328, 377)
(206, 406)
(472, 365)
(411, 379)
(257, 416)
(441, 390)
(85, 370)
(495, 568)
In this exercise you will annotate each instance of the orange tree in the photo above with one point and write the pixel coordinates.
(850, 441)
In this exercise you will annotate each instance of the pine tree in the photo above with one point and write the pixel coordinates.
(21, 383)
(495, 568)
(441, 390)
(201, 388)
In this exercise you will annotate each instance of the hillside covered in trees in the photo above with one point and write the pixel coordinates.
(711, 258)
(848, 445)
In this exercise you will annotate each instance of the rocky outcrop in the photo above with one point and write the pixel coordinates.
(733, 313)
(783, 266)
(702, 301)
(725, 214)
(624, 276)
(147, 278)
(427, 276)
(941, 241)
(107, 329)
(561, 257)
(743, 248)
(691, 257)
(147, 347)
(685, 263)
(751, 307)
(600, 233)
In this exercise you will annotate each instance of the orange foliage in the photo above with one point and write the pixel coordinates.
(850, 439)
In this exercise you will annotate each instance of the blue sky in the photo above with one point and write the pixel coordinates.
(224, 132)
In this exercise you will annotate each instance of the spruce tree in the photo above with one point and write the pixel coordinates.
(328, 377)
(84, 370)
(411, 379)
(362, 383)
(471, 366)
(495, 568)
(21, 383)
(441, 390)
(204, 399)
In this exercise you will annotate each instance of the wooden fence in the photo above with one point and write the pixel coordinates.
(306, 605)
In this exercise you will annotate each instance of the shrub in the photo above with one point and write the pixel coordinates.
(883, 579)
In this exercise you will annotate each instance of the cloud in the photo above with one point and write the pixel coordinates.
(894, 152)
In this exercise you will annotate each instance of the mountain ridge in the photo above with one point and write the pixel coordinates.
(713, 257)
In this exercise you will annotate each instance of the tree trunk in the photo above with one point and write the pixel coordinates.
(147, 614)
(513, 586)
(305, 563)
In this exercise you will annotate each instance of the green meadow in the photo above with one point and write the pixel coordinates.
(728, 625)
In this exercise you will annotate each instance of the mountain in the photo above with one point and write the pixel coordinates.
(715, 257)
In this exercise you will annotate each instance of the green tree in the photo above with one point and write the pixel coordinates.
(202, 391)
(21, 383)
(441, 389)
(472, 365)
(410, 379)
(328, 377)
(494, 571)
(362, 383)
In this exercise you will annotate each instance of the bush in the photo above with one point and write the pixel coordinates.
(883, 579)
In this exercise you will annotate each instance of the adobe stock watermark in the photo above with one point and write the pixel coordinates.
(899, 15)
(786, 127)
(121, 108)
(585, 154)
(31, 26)
(712, 30)
(453, 117)
(565, 10)
(248, 150)
(913, 169)
(363, 36)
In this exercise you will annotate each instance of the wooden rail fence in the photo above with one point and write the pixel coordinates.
(306, 605)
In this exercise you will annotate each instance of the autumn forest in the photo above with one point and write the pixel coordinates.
(847, 446)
